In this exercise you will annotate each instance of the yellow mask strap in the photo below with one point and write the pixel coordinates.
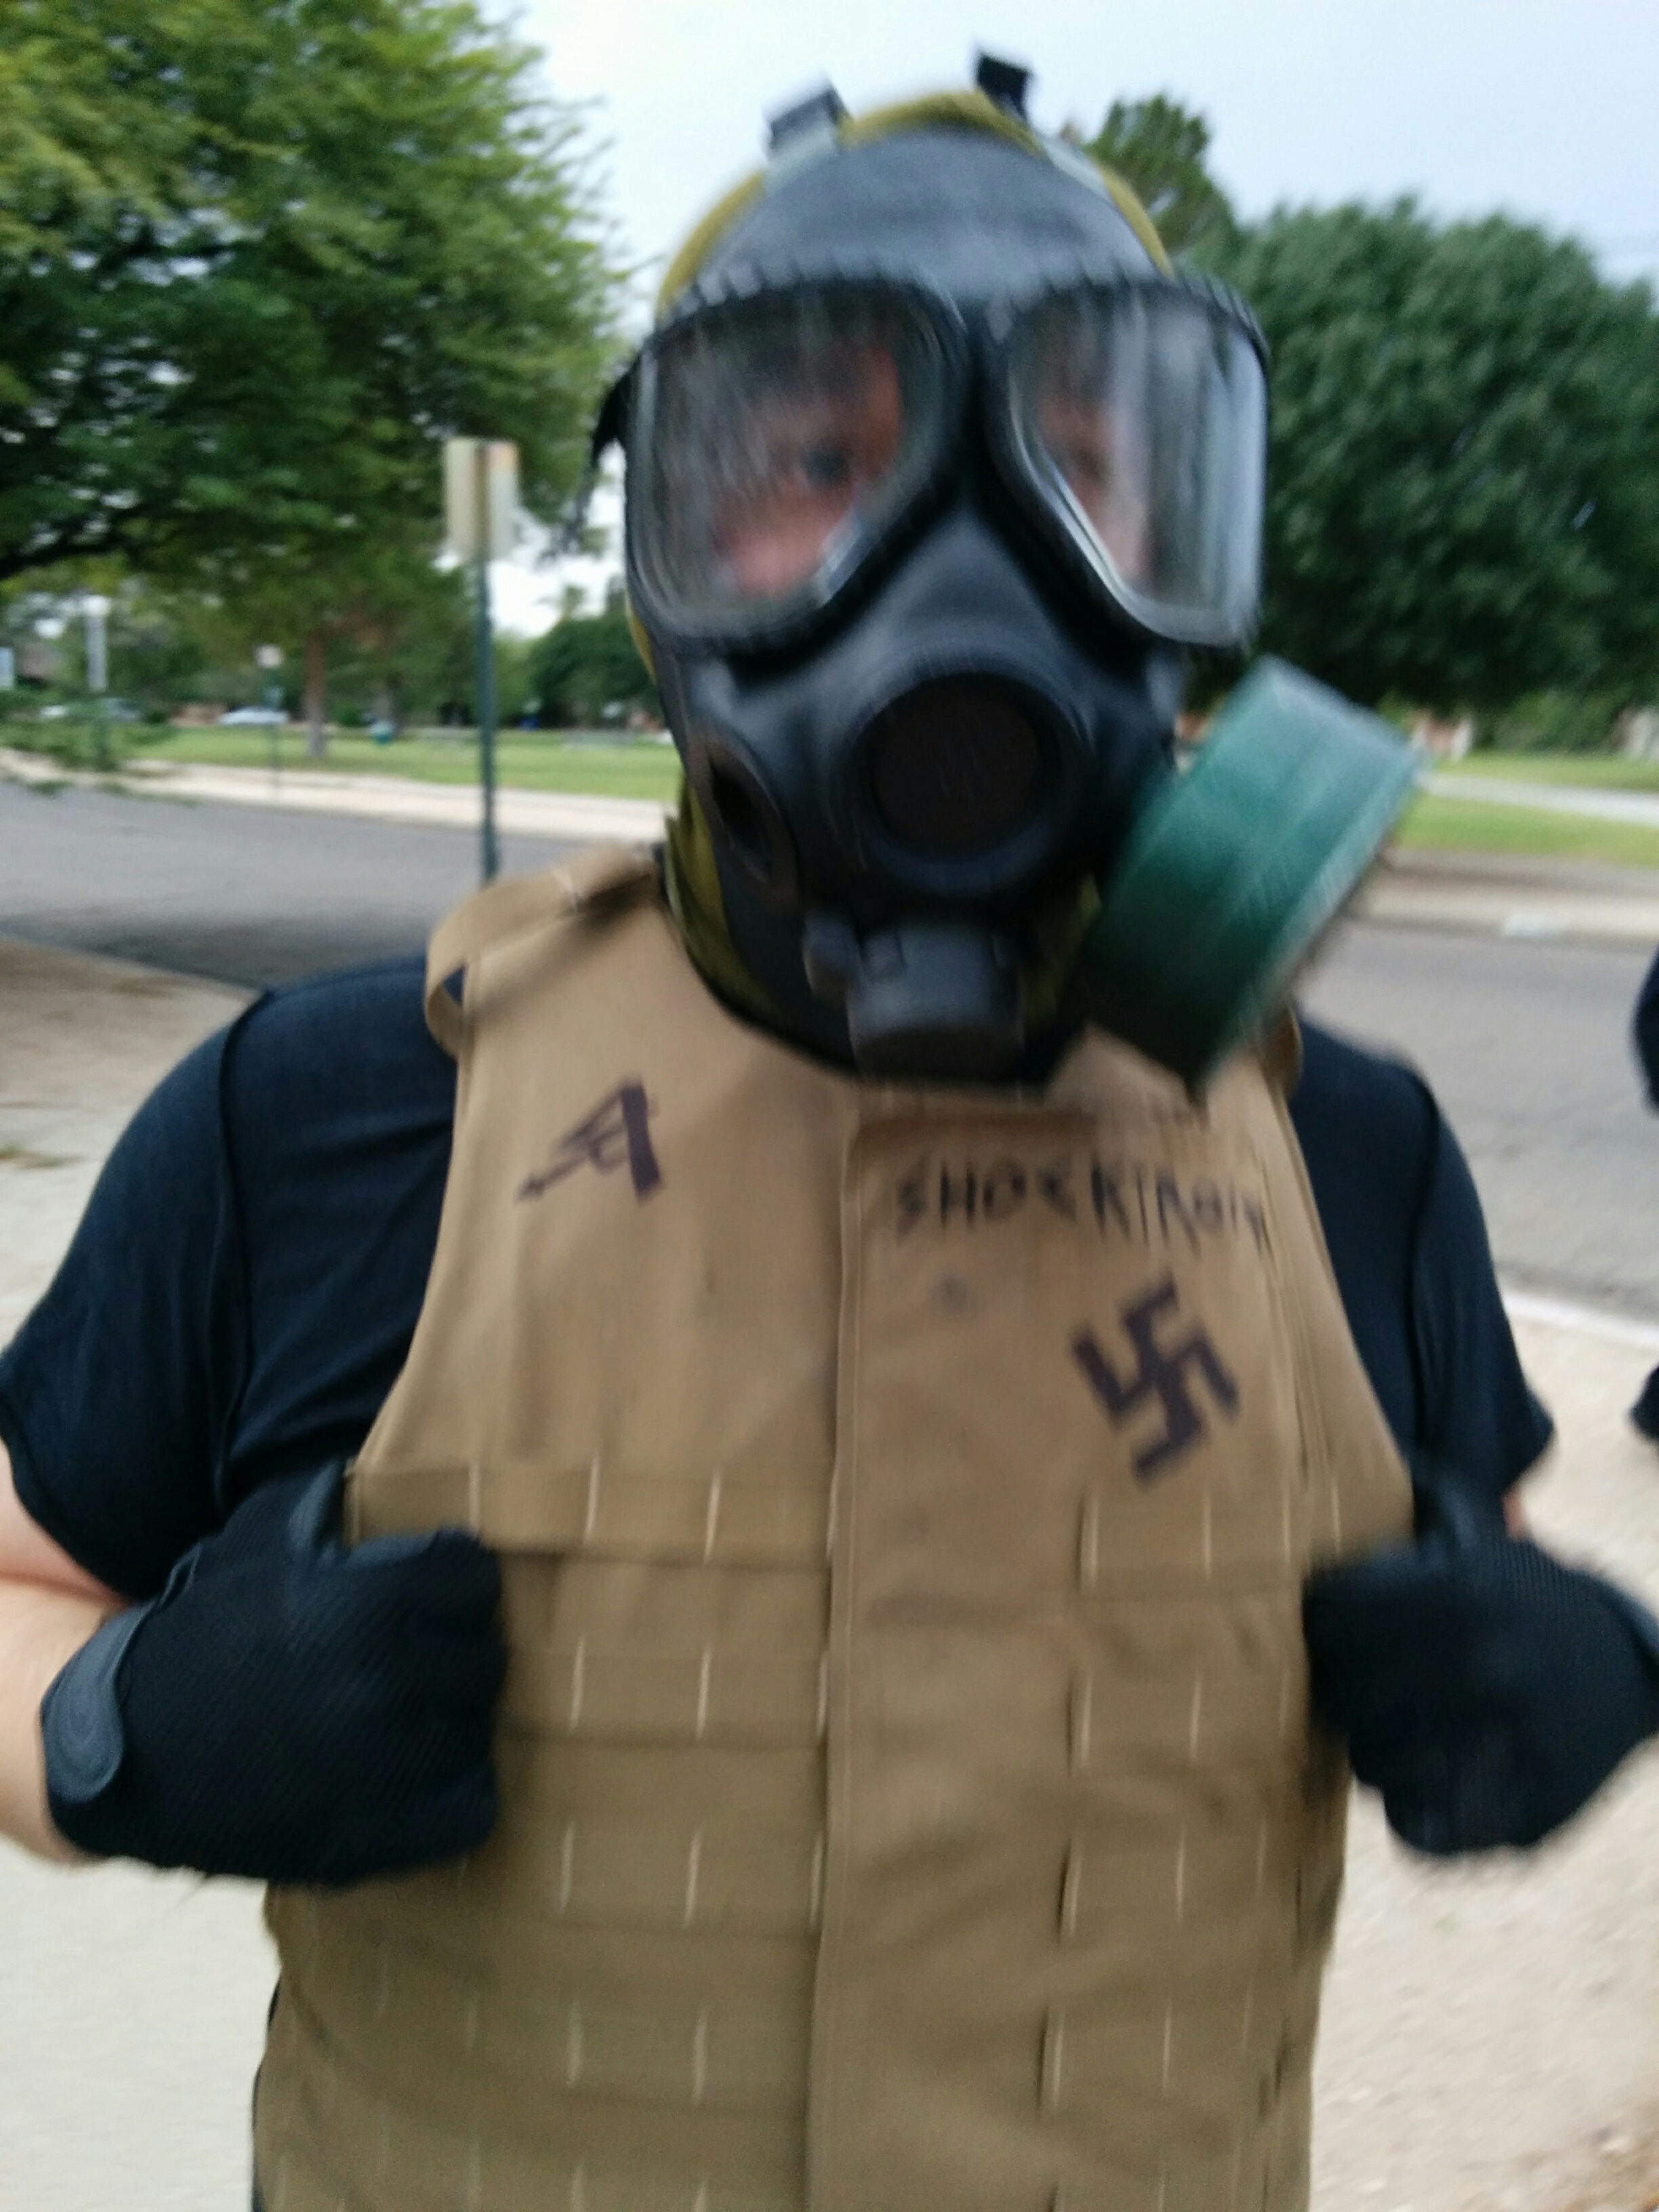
(693, 900)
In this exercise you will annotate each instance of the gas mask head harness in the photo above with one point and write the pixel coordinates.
(934, 466)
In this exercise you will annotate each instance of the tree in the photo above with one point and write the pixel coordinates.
(1160, 147)
(1463, 500)
(257, 259)
(587, 666)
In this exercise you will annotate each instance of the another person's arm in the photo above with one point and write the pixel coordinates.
(176, 1412)
(49, 1608)
(1485, 1689)
(1645, 1027)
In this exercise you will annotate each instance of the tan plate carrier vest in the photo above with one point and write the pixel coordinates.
(908, 1798)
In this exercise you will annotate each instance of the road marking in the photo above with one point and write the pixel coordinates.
(1587, 1320)
(1522, 924)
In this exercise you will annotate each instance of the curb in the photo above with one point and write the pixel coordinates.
(1474, 909)
(1600, 1321)
(566, 816)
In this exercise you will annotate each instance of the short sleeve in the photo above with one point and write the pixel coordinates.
(1479, 1414)
(241, 1292)
(115, 1393)
(1408, 1247)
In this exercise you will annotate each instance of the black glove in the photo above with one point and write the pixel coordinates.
(1483, 1688)
(286, 1708)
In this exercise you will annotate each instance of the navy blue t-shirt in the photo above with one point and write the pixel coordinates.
(242, 1290)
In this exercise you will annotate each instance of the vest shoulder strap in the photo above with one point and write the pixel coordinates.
(610, 874)
(1280, 1051)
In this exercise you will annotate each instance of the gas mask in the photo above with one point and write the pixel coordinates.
(932, 472)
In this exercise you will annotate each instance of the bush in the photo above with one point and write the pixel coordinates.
(1554, 722)
(99, 748)
(588, 671)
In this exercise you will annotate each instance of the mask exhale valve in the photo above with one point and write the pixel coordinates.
(940, 995)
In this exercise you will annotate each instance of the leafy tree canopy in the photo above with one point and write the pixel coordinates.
(1463, 477)
(257, 257)
(1463, 481)
(586, 669)
(1160, 147)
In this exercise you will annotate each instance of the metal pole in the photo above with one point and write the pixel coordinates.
(486, 685)
(269, 657)
(97, 610)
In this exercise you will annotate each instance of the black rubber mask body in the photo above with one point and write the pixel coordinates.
(940, 761)
(893, 798)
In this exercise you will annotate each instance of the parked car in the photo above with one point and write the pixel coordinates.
(252, 718)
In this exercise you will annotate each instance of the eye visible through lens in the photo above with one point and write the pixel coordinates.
(780, 438)
(817, 439)
(1095, 448)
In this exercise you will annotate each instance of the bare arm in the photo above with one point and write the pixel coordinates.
(48, 1608)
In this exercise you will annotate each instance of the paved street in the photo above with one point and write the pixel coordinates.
(1527, 1046)
(245, 896)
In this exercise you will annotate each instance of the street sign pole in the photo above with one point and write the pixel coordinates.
(95, 608)
(481, 496)
(490, 859)
(269, 657)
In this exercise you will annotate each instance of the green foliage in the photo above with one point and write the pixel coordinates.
(1463, 502)
(399, 636)
(609, 767)
(1554, 722)
(257, 259)
(1160, 147)
(1472, 826)
(588, 670)
(83, 742)
(515, 679)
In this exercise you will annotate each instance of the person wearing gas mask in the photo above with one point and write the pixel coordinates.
(956, 1433)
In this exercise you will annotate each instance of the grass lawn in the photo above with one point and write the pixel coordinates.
(1589, 771)
(586, 761)
(536, 762)
(1469, 825)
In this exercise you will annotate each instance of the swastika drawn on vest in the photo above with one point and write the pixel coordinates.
(1160, 1372)
(615, 1134)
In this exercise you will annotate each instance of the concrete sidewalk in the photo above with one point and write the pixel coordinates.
(1492, 2034)
(131, 2004)
(553, 814)
(1505, 895)
(1588, 801)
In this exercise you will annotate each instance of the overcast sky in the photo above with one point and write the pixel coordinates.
(1549, 109)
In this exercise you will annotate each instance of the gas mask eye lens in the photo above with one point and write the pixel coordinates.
(1136, 425)
(776, 439)
(807, 451)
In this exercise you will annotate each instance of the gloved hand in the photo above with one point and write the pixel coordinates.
(285, 1708)
(1483, 1688)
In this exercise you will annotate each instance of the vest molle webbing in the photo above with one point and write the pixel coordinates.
(909, 1800)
